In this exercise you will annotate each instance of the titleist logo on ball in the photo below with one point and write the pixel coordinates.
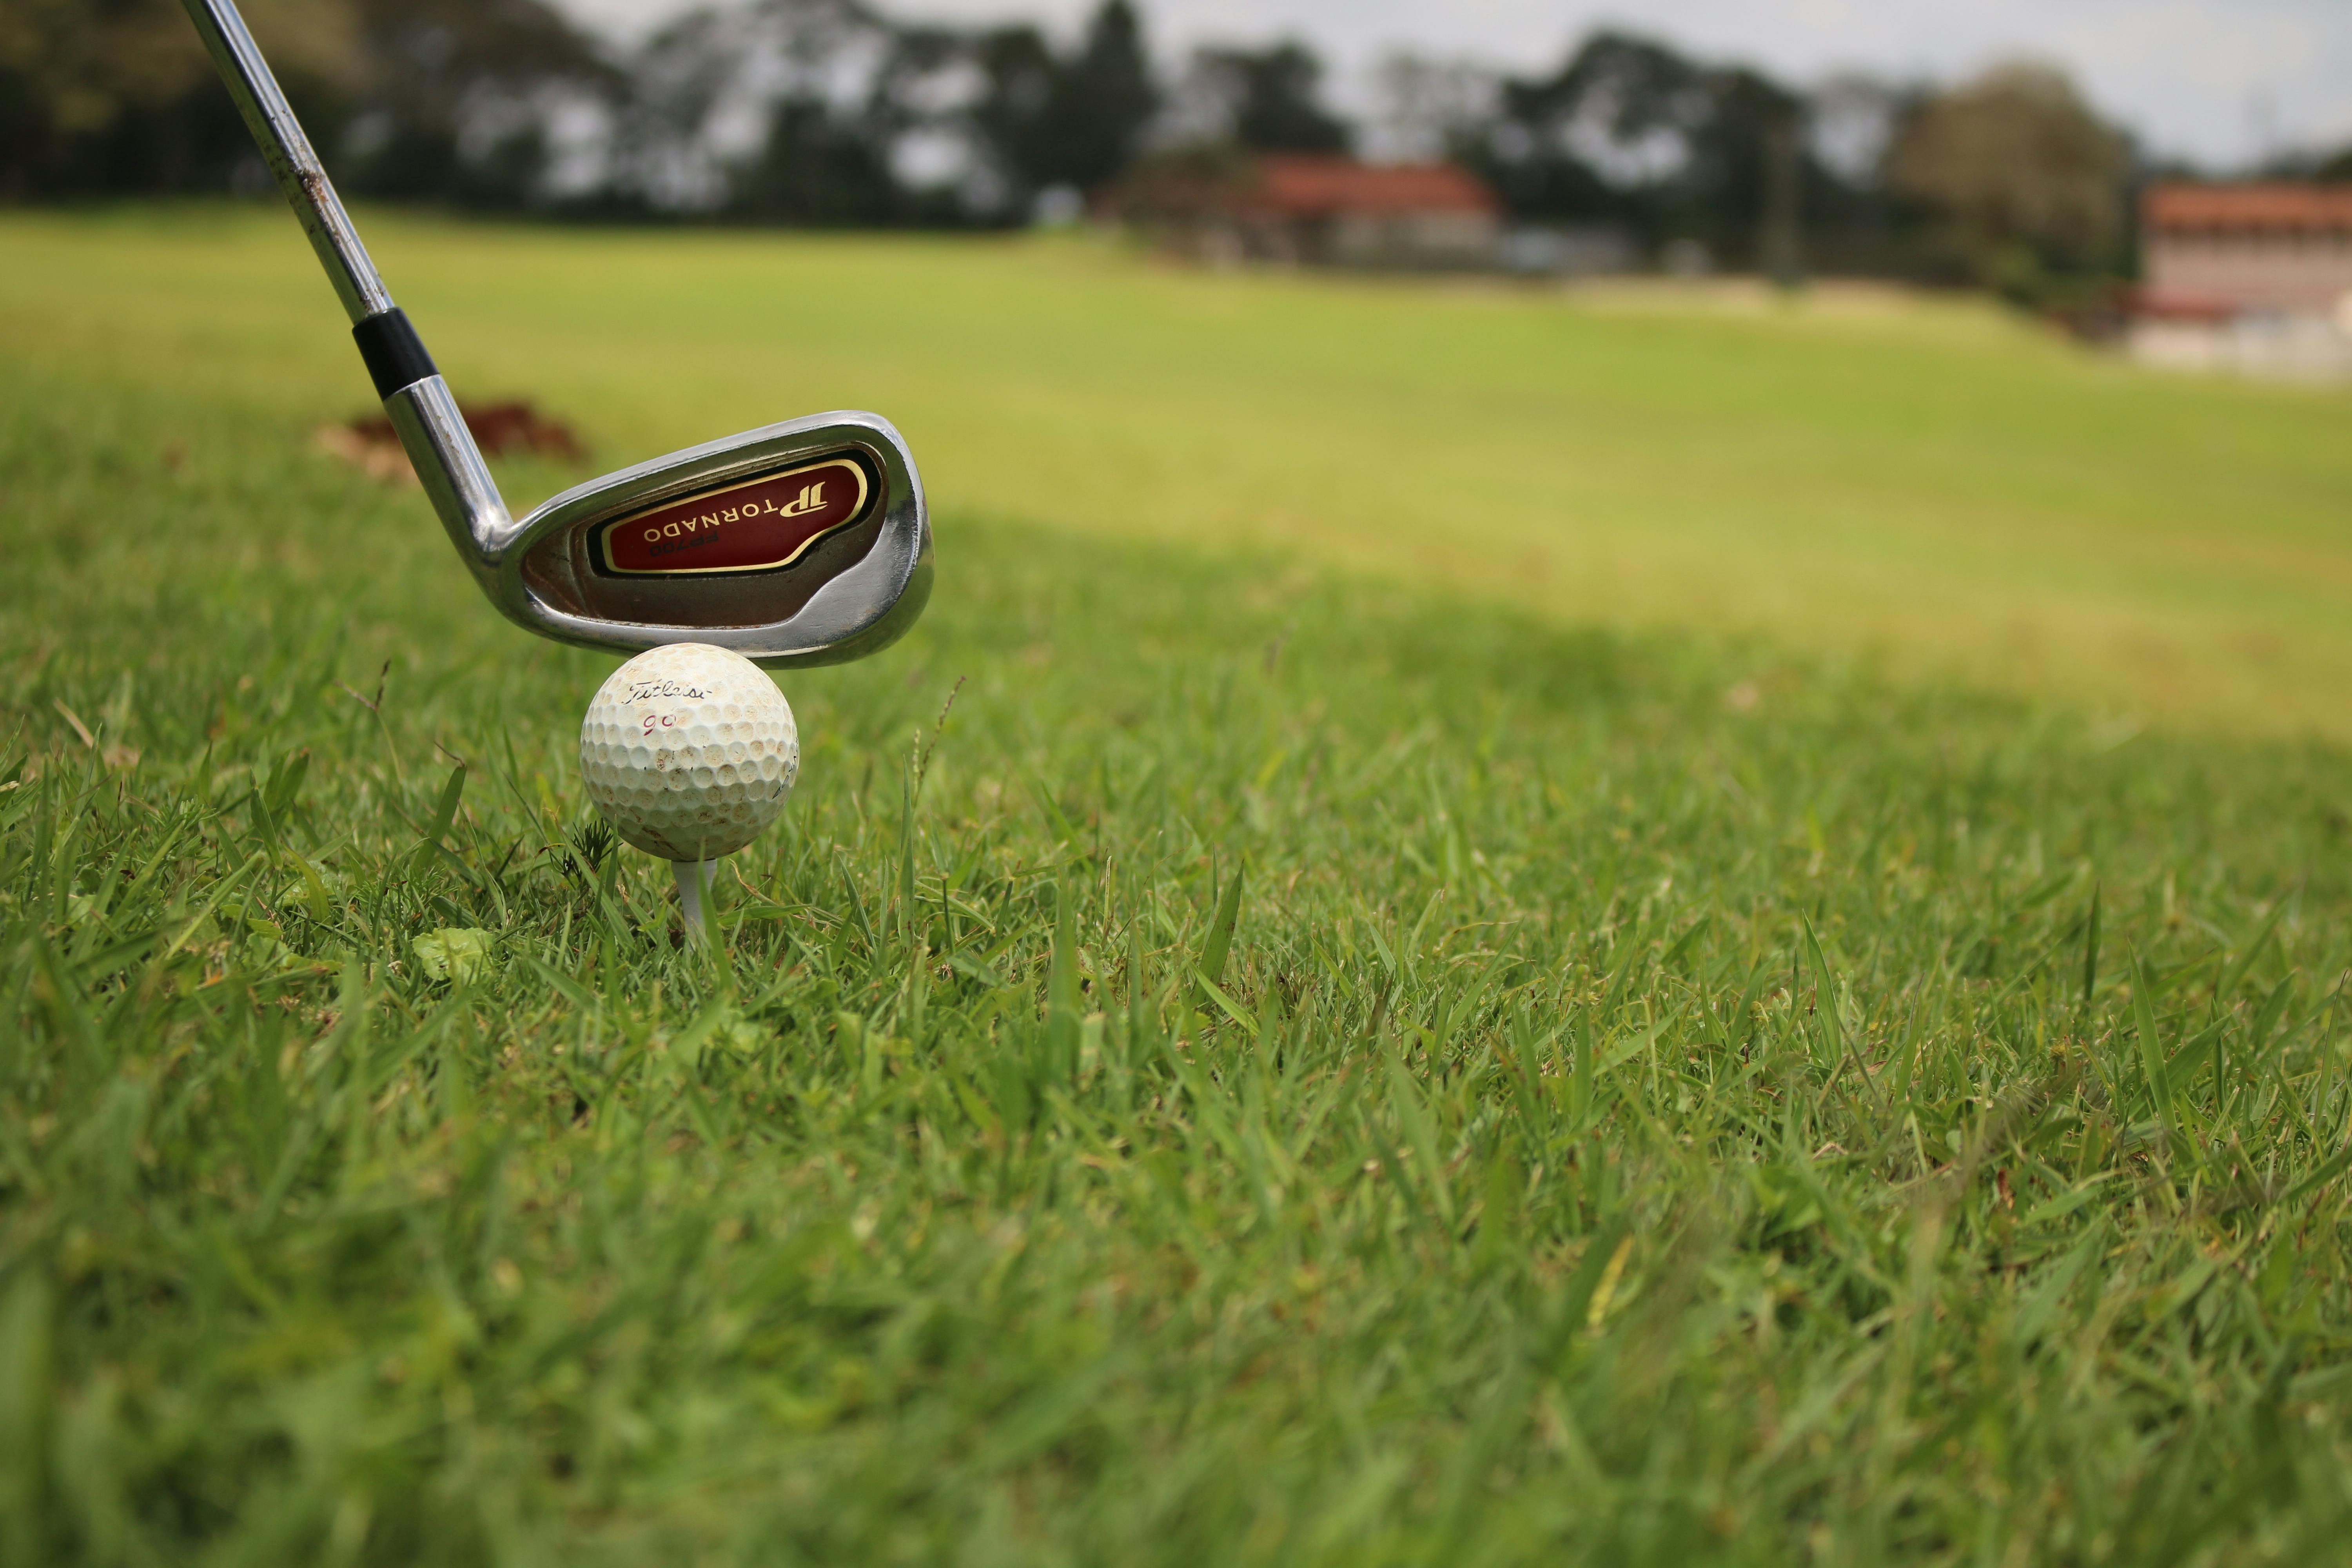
(649, 690)
(758, 526)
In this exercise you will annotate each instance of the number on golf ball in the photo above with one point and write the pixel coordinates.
(690, 751)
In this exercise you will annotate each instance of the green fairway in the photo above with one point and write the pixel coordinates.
(1295, 1068)
(1932, 485)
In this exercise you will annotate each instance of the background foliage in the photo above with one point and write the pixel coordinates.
(833, 113)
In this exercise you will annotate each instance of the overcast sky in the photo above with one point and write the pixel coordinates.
(2220, 80)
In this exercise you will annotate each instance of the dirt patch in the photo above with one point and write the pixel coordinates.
(510, 429)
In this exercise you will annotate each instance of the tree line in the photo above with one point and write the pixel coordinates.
(830, 112)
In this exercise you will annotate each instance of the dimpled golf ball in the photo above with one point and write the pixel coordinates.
(689, 752)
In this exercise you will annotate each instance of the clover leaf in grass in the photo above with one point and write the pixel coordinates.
(453, 952)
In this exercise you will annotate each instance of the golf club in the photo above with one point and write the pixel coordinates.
(799, 543)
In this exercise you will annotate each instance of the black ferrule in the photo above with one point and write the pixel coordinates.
(396, 356)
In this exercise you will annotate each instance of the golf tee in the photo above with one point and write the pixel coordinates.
(694, 880)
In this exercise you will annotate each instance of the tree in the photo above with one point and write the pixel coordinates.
(120, 95)
(905, 105)
(2025, 177)
(1745, 180)
(1632, 131)
(1045, 121)
(444, 100)
(1013, 118)
(816, 169)
(1269, 99)
(1582, 144)
(1103, 101)
(1429, 108)
(457, 95)
(823, 82)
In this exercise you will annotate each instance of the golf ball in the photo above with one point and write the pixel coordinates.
(689, 752)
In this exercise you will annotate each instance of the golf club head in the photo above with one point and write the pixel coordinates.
(804, 542)
(800, 544)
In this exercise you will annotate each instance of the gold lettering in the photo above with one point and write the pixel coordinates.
(670, 532)
(653, 536)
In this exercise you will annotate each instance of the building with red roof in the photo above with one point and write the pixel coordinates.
(1323, 210)
(2249, 249)
(2252, 278)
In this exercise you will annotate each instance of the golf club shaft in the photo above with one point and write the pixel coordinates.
(419, 403)
(290, 157)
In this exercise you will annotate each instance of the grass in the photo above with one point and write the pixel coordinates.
(1933, 486)
(1290, 1068)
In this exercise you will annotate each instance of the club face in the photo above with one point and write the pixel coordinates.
(805, 543)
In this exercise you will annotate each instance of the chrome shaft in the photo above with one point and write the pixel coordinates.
(423, 410)
(290, 157)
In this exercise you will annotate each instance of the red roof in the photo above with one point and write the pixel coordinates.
(2296, 208)
(2181, 305)
(1299, 186)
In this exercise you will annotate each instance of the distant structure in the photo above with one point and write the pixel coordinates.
(1320, 211)
(1576, 250)
(2251, 278)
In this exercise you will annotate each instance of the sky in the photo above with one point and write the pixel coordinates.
(2221, 82)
